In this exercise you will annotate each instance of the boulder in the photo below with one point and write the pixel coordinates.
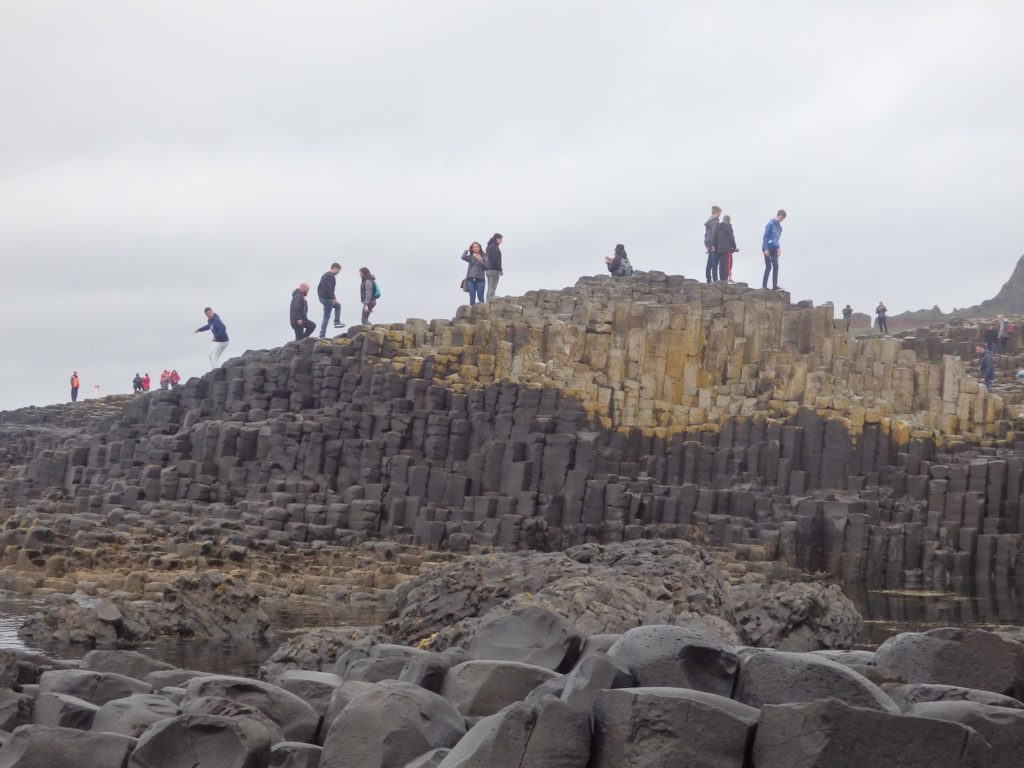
(663, 727)
(830, 734)
(593, 674)
(676, 657)
(431, 759)
(173, 678)
(548, 735)
(531, 635)
(132, 715)
(795, 616)
(297, 719)
(95, 687)
(778, 677)
(390, 725)
(314, 688)
(60, 709)
(219, 706)
(197, 741)
(480, 688)
(47, 746)
(15, 709)
(906, 696)
(430, 669)
(340, 699)
(130, 663)
(317, 650)
(1002, 728)
(968, 658)
(294, 754)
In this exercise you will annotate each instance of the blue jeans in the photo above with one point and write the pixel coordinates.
(711, 270)
(328, 306)
(771, 267)
(476, 289)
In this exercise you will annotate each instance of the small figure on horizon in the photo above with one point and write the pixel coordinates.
(74, 386)
(986, 366)
(220, 336)
(725, 247)
(325, 291)
(165, 379)
(881, 317)
(368, 292)
(298, 313)
(137, 384)
(847, 316)
(492, 263)
(145, 383)
(174, 379)
(618, 264)
(710, 232)
(1002, 336)
(772, 250)
(475, 272)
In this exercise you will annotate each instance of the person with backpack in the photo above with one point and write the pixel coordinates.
(492, 263)
(475, 272)
(710, 232)
(725, 247)
(325, 292)
(772, 250)
(74, 386)
(137, 384)
(220, 336)
(618, 264)
(881, 321)
(368, 292)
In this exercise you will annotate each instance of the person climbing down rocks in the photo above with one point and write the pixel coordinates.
(369, 292)
(298, 313)
(220, 336)
(618, 264)
(986, 367)
(725, 247)
(772, 250)
(881, 317)
(492, 263)
(325, 291)
(710, 232)
(475, 272)
(74, 386)
(847, 316)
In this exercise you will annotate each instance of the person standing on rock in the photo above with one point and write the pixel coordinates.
(368, 292)
(710, 232)
(220, 336)
(725, 247)
(165, 379)
(492, 264)
(145, 383)
(772, 250)
(475, 272)
(986, 366)
(1002, 336)
(175, 379)
(298, 313)
(847, 316)
(325, 292)
(74, 386)
(136, 384)
(881, 318)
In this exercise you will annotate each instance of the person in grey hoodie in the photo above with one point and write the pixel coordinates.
(367, 292)
(475, 272)
(492, 263)
(710, 232)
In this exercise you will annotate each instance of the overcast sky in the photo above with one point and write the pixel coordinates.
(158, 157)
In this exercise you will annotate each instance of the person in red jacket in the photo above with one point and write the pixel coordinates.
(174, 379)
(145, 383)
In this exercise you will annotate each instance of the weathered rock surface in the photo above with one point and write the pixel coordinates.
(45, 746)
(794, 616)
(1002, 728)
(676, 657)
(95, 687)
(133, 715)
(532, 635)
(189, 741)
(479, 688)
(297, 719)
(906, 696)
(294, 754)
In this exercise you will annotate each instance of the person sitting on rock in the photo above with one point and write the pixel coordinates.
(986, 366)
(298, 313)
(619, 264)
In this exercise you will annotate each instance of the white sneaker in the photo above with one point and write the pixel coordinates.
(339, 325)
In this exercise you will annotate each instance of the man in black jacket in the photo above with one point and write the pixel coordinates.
(725, 247)
(710, 231)
(301, 324)
(492, 264)
(325, 292)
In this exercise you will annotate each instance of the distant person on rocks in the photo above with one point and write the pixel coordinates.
(772, 250)
(986, 366)
(298, 313)
(618, 264)
(165, 379)
(475, 272)
(492, 263)
(220, 336)
(137, 384)
(710, 233)
(325, 292)
(881, 317)
(991, 337)
(145, 383)
(1020, 376)
(174, 379)
(847, 316)
(725, 247)
(368, 292)
(74, 386)
(1002, 335)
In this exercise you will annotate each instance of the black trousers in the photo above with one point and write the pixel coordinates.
(305, 330)
(771, 267)
(74, 394)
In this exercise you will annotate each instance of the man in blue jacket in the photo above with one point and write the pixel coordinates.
(987, 366)
(772, 251)
(220, 335)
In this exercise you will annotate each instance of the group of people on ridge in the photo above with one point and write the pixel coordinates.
(298, 311)
(720, 245)
(140, 383)
(484, 266)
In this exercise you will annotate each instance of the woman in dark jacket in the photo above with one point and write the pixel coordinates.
(618, 263)
(725, 247)
(366, 292)
(475, 277)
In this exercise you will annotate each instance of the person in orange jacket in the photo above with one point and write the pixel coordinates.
(74, 386)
